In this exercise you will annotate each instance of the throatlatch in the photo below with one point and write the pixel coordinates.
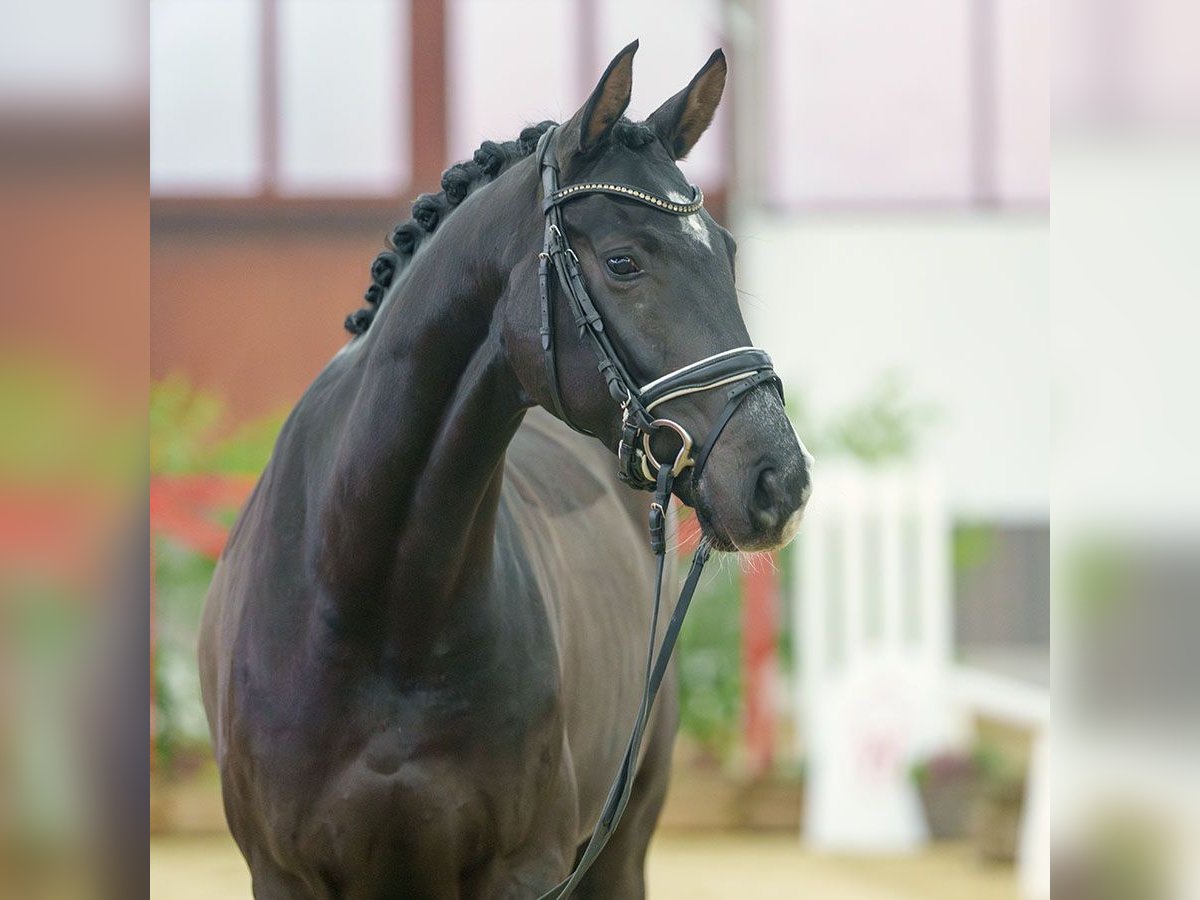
(738, 371)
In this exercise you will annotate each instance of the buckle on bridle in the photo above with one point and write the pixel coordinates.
(683, 458)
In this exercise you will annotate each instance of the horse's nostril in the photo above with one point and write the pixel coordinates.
(765, 498)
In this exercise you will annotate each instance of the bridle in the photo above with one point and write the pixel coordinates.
(740, 370)
(737, 371)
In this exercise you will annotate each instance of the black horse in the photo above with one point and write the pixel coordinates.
(424, 642)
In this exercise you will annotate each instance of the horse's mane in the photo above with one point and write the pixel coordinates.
(458, 182)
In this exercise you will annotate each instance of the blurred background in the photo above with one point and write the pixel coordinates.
(866, 715)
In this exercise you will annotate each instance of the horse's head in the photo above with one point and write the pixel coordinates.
(663, 284)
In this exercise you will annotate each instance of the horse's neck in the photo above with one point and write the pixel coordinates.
(411, 504)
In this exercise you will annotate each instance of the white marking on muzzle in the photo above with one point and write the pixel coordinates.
(793, 523)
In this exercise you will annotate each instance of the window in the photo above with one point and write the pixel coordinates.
(492, 95)
(205, 97)
(1022, 121)
(926, 103)
(294, 97)
(343, 102)
(869, 102)
(675, 42)
(555, 52)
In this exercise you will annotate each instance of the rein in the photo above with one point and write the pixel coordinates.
(738, 371)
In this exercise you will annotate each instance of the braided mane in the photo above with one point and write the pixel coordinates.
(458, 182)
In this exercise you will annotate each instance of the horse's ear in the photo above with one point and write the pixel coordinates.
(682, 119)
(608, 101)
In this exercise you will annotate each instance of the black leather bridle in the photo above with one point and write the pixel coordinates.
(737, 371)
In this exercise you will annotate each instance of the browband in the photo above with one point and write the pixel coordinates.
(620, 190)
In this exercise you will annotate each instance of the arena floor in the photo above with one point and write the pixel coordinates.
(682, 865)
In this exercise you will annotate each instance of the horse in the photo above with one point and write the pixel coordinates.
(422, 642)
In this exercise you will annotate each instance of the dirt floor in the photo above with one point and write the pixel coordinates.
(695, 866)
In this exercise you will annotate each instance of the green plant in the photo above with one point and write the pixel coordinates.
(947, 765)
(709, 664)
(181, 578)
(885, 425)
(183, 425)
(188, 433)
(973, 545)
(947, 783)
(997, 813)
(1001, 774)
(1099, 577)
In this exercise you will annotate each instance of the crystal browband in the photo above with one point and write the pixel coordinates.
(621, 190)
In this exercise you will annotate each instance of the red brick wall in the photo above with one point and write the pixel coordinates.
(252, 308)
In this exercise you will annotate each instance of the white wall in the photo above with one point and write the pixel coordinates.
(957, 305)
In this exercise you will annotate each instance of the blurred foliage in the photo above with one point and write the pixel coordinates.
(881, 428)
(709, 661)
(1098, 577)
(885, 426)
(181, 583)
(1001, 772)
(973, 545)
(945, 766)
(187, 433)
(988, 760)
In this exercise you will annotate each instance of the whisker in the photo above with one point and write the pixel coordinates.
(751, 299)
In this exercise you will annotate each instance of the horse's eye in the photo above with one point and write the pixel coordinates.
(622, 265)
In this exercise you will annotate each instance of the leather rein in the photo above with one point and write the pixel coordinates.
(737, 372)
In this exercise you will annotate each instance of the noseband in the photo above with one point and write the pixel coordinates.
(737, 372)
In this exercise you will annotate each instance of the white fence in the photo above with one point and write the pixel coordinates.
(873, 631)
